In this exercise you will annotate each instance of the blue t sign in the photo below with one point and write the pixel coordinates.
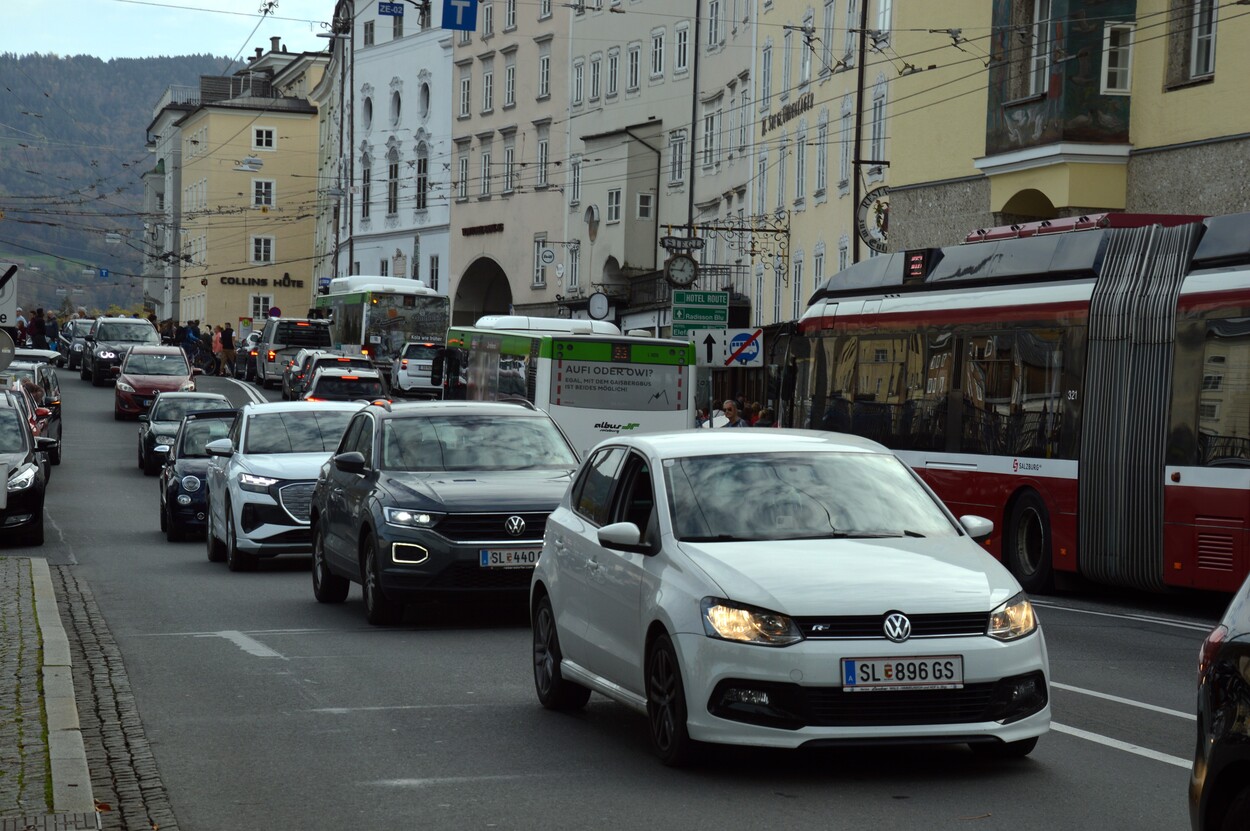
(460, 14)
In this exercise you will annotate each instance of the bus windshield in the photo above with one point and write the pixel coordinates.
(383, 321)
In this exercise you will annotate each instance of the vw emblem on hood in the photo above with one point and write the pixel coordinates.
(514, 525)
(897, 627)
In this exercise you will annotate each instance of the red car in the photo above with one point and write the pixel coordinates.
(145, 371)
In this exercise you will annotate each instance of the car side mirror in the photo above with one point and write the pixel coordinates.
(978, 527)
(219, 447)
(143, 419)
(195, 370)
(625, 536)
(45, 444)
(350, 462)
(42, 412)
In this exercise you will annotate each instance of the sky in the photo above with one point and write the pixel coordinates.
(147, 28)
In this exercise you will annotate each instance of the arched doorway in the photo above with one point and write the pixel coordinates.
(1027, 205)
(483, 290)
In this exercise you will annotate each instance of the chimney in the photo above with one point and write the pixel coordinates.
(275, 44)
(259, 52)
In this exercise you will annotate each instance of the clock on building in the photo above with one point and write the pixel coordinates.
(681, 270)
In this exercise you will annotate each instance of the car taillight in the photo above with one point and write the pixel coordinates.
(311, 398)
(404, 363)
(351, 377)
(272, 355)
(1209, 647)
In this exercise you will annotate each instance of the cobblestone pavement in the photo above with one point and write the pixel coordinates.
(25, 765)
(127, 786)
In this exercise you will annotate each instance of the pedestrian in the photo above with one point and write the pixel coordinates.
(22, 334)
(228, 353)
(38, 330)
(767, 418)
(21, 319)
(217, 350)
(731, 411)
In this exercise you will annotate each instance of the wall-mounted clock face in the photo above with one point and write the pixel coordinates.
(681, 270)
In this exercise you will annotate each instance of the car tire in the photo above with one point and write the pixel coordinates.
(554, 691)
(666, 706)
(236, 559)
(1027, 544)
(1004, 750)
(118, 415)
(380, 610)
(1237, 817)
(33, 536)
(216, 551)
(164, 519)
(328, 587)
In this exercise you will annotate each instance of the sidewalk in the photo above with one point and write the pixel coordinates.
(44, 781)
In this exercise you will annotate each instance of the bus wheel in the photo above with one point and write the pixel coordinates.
(1027, 549)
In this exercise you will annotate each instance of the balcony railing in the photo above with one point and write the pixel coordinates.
(178, 94)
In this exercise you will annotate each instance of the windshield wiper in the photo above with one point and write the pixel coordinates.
(718, 538)
(879, 535)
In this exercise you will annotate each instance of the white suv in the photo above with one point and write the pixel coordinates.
(284, 333)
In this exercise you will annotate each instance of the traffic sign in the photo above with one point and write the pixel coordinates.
(697, 310)
(104, 274)
(460, 15)
(547, 256)
(8, 294)
(7, 351)
(745, 348)
(391, 9)
(323, 282)
(274, 311)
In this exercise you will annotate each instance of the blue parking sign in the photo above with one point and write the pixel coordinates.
(104, 274)
(460, 15)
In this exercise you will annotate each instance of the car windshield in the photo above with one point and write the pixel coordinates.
(420, 351)
(197, 434)
(20, 372)
(79, 328)
(474, 442)
(12, 431)
(137, 332)
(347, 388)
(147, 364)
(310, 431)
(175, 409)
(779, 496)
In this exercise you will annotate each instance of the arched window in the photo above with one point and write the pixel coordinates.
(423, 175)
(392, 182)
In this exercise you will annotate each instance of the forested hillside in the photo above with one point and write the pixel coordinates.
(71, 154)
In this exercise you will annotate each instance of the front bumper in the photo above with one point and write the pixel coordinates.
(421, 563)
(808, 705)
(133, 402)
(268, 524)
(24, 508)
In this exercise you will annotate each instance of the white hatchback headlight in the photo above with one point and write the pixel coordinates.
(23, 478)
(1014, 619)
(189, 386)
(731, 621)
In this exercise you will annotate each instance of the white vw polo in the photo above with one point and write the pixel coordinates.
(782, 588)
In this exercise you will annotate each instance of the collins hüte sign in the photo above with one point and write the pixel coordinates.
(792, 110)
(283, 282)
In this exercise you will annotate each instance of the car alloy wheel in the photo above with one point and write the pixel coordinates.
(236, 560)
(554, 692)
(328, 587)
(380, 610)
(666, 705)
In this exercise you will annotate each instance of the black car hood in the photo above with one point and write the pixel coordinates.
(491, 492)
(190, 467)
(163, 428)
(120, 346)
(12, 461)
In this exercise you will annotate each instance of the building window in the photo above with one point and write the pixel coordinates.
(509, 84)
(433, 283)
(885, 14)
(744, 118)
(263, 138)
(262, 193)
(800, 168)
(366, 113)
(366, 186)
(709, 138)
(509, 15)
(488, 88)
(540, 270)
(844, 253)
(677, 157)
(776, 295)
(575, 182)
(681, 48)
(384, 267)
(782, 157)
(876, 144)
(575, 268)
(844, 162)
(1039, 58)
(462, 186)
(485, 189)
(392, 182)
(657, 54)
(509, 174)
(488, 19)
(1117, 58)
(818, 267)
(1202, 52)
(614, 205)
(544, 9)
(465, 36)
(796, 309)
(805, 51)
(826, 39)
(646, 205)
(787, 60)
(544, 159)
(579, 72)
(396, 105)
(766, 77)
(596, 77)
(397, 28)
(544, 76)
(368, 33)
(614, 70)
(758, 300)
(262, 249)
(714, 24)
(466, 93)
(633, 67)
(1209, 410)
(822, 157)
(762, 189)
(1212, 382)
(423, 177)
(261, 304)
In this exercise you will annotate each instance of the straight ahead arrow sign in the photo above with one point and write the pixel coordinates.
(709, 342)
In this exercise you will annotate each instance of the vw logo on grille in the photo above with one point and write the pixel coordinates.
(897, 627)
(514, 525)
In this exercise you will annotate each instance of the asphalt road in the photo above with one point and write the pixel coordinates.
(266, 709)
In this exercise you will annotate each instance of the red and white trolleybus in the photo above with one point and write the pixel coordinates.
(1085, 383)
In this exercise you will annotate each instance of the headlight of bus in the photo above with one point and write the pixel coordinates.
(1014, 619)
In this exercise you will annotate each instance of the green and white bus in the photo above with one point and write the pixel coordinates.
(594, 381)
(378, 315)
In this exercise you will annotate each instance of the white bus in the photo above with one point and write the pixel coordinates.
(378, 315)
(592, 380)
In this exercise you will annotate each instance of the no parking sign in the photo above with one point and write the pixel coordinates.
(746, 347)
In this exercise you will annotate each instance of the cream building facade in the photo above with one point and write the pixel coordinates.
(249, 192)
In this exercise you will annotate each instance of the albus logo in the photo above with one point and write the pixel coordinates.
(609, 427)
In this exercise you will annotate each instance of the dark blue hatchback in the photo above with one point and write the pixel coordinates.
(184, 500)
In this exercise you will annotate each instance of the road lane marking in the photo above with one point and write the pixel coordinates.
(342, 711)
(249, 645)
(1136, 750)
(252, 632)
(450, 780)
(251, 393)
(1161, 621)
(1130, 702)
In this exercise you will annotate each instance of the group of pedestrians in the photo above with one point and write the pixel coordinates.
(212, 349)
(739, 413)
(40, 330)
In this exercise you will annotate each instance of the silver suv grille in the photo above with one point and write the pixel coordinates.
(297, 500)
